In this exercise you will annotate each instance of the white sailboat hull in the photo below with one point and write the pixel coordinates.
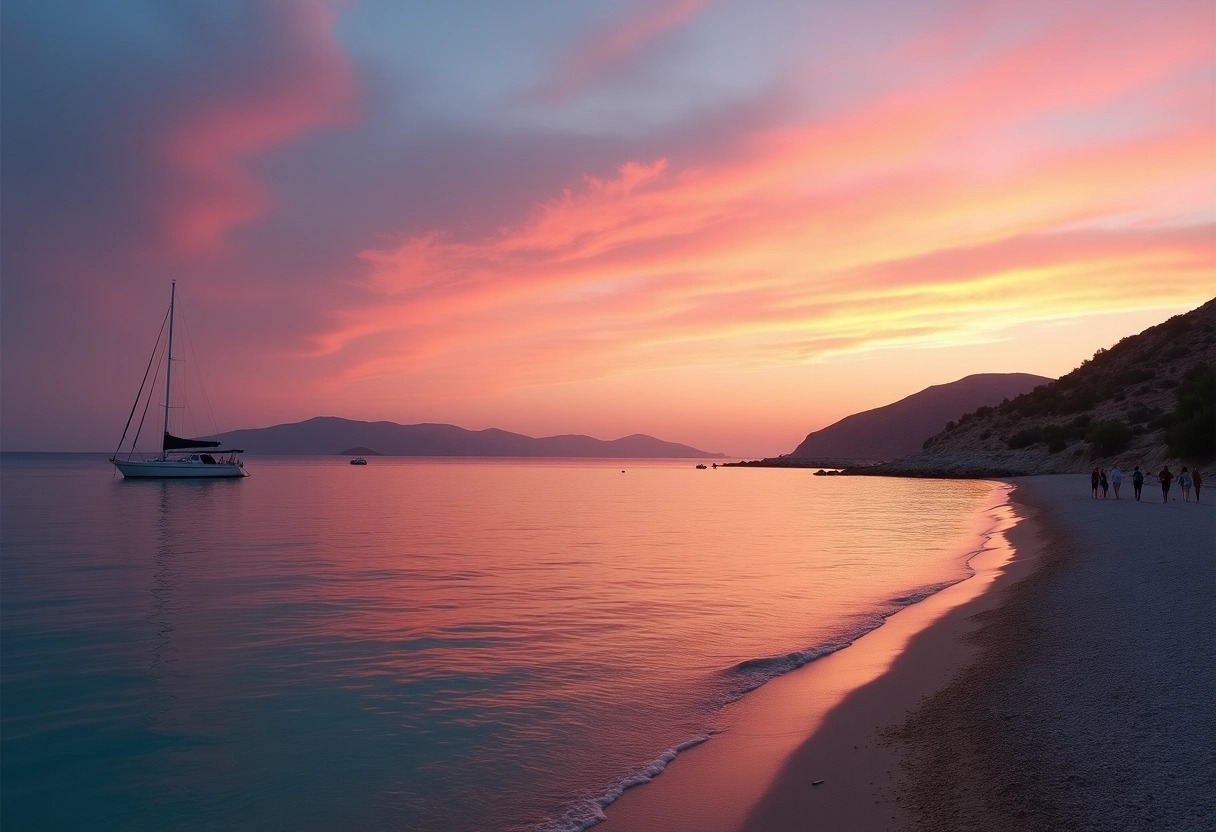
(178, 469)
(179, 460)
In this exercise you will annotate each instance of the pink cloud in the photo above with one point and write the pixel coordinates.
(209, 145)
(923, 216)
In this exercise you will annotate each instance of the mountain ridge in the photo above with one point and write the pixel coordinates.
(323, 435)
(898, 429)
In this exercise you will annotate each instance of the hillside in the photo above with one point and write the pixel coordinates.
(1148, 400)
(899, 429)
(330, 435)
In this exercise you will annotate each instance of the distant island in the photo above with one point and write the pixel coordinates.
(325, 435)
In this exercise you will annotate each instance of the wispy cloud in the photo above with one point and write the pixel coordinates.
(604, 52)
(916, 217)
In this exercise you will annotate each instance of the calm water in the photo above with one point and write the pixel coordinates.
(419, 644)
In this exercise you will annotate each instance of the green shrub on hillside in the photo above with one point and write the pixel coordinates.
(1192, 431)
(1083, 398)
(1025, 438)
(1161, 421)
(1053, 433)
(1054, 436)
(1108, 437)
(1042, 400)
(1139, 415)
(1134, 375)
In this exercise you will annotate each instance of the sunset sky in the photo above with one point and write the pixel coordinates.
(719, 222)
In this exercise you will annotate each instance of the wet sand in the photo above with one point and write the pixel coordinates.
(822, 722)
(1068, 685)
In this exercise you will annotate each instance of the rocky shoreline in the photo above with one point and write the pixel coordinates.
(1150, 454)
(834, 463)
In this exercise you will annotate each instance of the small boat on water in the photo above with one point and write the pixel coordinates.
(358, 461)
(701, 466)
(180, 458)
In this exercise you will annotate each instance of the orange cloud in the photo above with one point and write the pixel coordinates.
(928, 217)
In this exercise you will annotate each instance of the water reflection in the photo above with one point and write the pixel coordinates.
(182, 518)
(407, 645)
(164, 584)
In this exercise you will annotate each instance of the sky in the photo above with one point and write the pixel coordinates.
(726, 223)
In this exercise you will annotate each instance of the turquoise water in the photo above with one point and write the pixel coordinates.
(420, 644)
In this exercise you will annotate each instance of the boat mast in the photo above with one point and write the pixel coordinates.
(164, 453)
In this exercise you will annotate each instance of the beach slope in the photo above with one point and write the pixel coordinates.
(1093, 703)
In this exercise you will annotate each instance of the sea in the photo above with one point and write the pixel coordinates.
(422, 645)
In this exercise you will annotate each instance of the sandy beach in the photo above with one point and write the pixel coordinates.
(1067, 685)
(1092, 704)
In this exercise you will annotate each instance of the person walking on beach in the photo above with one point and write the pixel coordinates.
(1093, 483)
(1116, 479)
(1184, 480)
(1103, 481)
(1166, 478)
(1198, 478)
(1137, 481)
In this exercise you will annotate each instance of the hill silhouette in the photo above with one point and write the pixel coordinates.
(899, 429)
(333, 435)
(1148, 400)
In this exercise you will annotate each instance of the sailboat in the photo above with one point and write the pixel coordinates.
(179, 457)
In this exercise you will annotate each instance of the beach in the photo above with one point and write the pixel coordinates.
(1091, 706)
(1067, 685)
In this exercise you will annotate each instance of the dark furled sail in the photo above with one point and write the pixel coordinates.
(176, 443)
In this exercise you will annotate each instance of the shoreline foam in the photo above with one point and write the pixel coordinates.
(592, 809)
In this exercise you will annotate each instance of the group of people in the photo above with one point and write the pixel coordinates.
(1099, 479)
